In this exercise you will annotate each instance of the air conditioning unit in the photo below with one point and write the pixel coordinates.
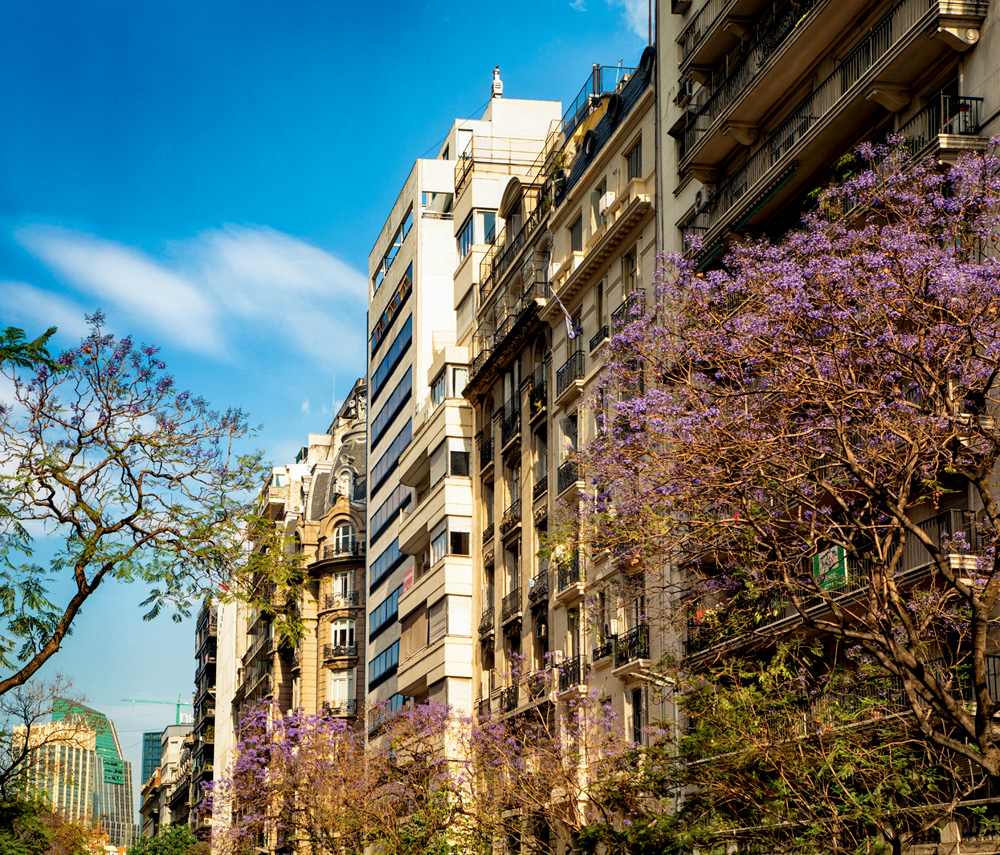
(607, 200)
(703, 197)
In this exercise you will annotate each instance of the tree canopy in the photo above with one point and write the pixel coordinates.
(131, 478)
(803, 443)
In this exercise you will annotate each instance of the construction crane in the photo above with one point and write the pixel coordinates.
(178, 702)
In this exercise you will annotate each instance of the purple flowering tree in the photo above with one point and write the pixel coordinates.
(803, 443)
(130, 478)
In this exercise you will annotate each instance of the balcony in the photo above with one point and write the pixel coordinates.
(494, 156)
(487, 623)
(538, 592)
(540, 487)
(781, 45)
(605, 650)
(830, 117)
(350, 600)
(505, 251)
(341, 707)
(511, 606)
(569, 573)
(510, 427)
(483, 708)
(569, 377)
(538, 398)
(949, 124)
(344, 550)
(485, 452)
(508, 699)
(572, 673)
(511, 517)
(340, 651)
(568, 476)
(632, 647)
(599, 338)
(488, 533)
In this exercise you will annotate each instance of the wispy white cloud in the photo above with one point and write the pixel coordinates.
(35, 309)
(306, 409)
(636, 15)
(579, 5)
(214, 293)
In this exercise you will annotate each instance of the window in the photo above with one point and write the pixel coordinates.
(388, 561)
(341, 689)
(343, 539)
(465, 237)
(400, 344)
(630, 272)
(389, 313)
(450, 537)
(439, 389)
(596, 218)
(389, 509)
(384, 613)
(383, 666)
(342, 633)
(638, 717)
(576, 235)
(634, 161)
(397, 242)
(448, 384)
(387, 462)
(466, 312)
(486, 223)
(343, 585)
(400, 395)
(439, 547)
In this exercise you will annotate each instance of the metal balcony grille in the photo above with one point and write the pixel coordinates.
(633, 645)
(572, 369)
(539, 591)
(567, 475)
(336, 651)
(511, 516)
(511, 606)
(486, 622)
(569, 574)
(573, 672)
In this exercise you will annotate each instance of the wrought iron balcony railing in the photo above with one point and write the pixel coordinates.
(341, 601)
(567, 475)
(338, 651)
(345, 706)
(569, 573)
(511, 516)
(511, 605)
(487, 621)
(633, 645)
(572, 672)
(539, 590)
(572, 369)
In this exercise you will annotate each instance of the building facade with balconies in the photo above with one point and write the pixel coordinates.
(579, 240)
(768, 96)
(425, 270)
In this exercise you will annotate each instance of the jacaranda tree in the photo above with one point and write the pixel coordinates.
(123, 476)
(803, 443)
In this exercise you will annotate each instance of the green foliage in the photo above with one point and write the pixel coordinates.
(30, 827)
(15, 349)
(171, 840)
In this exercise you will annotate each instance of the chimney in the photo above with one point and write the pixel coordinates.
(496, 90)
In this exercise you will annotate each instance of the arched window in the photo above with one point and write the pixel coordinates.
(343, 539)
(345, 482)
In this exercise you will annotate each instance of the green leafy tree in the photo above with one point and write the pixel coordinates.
(171, 840)
(28, 826)
(130, 478)
(15, 349)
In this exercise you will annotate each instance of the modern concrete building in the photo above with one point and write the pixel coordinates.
(166, 793)
(424, 276)
(203, 754)
(82, 771)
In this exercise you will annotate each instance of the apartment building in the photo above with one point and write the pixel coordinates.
(769, 95)
(424, 275)
(203, 753)
(160, 791)
(579, 239)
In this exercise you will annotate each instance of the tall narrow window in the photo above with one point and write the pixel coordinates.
(576, 235)
(343, 539)
(634, 161)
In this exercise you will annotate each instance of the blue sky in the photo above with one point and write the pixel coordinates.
(212, 174)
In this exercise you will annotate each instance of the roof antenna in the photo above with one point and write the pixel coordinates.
(496, 90)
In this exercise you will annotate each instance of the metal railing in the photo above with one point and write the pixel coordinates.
(569, 573)
(633, 645)
(701, 25)
(508, 699)
(494, 155)
(572, 369)
(347, 706)
(488, 532)
(541, 487)
(567, 475)
(485, 451)
(338, 651)
(606, 649)
(538, 398)
(572, 672)
(600, 336)
(539, 590)
(944, 114)
(511, 516)
(487, 621)
(900, 24)
(353, 550)
(341, 601)
(510, 428)
(483, 707)
(511, 605)
(768, 34)
(603, 80)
